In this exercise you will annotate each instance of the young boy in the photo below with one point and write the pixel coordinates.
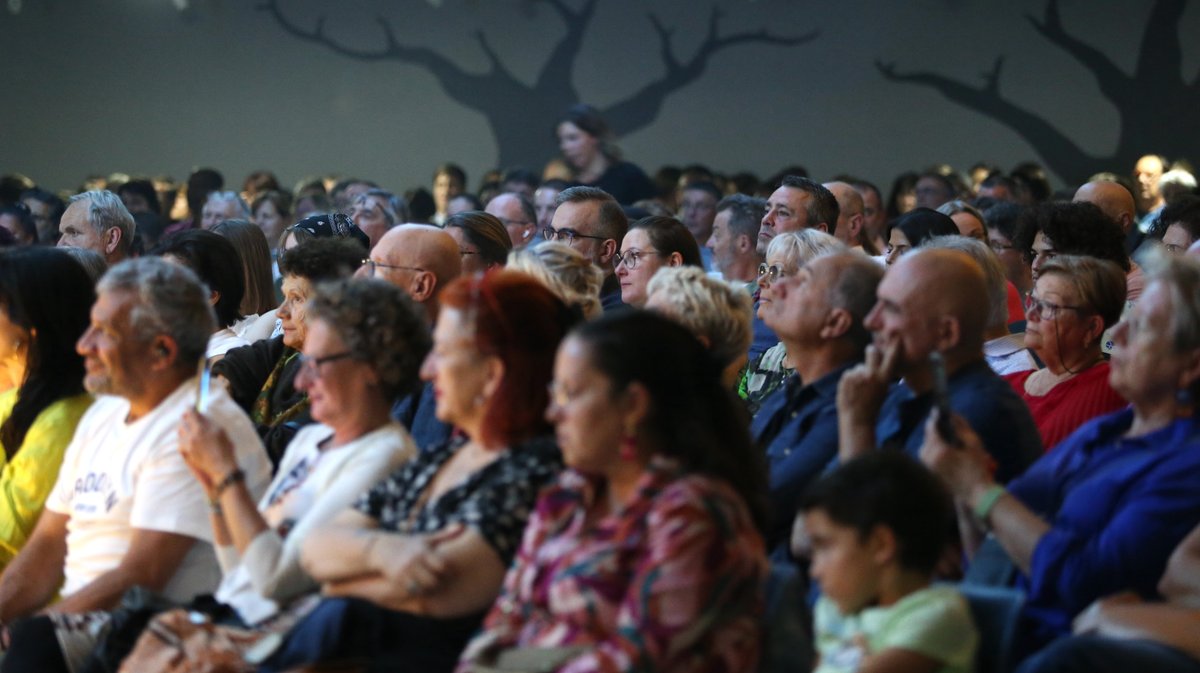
(877, 527)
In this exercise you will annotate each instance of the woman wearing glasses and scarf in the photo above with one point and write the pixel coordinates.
(1073, 302)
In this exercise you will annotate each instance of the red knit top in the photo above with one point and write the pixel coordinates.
(1069, 404)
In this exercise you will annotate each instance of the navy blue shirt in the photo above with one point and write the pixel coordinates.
(416, 412)
(797, 428)
(762, 337)
(1117, 508)
(986, 401)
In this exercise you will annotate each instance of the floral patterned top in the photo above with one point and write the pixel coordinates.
(495, 500)
(671, 583)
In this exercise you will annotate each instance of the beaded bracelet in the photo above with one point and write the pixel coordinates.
(235, 477)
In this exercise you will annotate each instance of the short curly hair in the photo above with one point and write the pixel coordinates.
(322, 259)
(708, 307)
(1074, 229)
(380, 325)
(565, 271)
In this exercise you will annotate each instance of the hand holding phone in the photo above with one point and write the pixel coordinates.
(204, 390)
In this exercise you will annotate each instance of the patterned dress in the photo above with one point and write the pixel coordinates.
(671, 583)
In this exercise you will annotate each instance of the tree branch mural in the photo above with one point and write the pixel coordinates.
(522, 115)
(1157, 107)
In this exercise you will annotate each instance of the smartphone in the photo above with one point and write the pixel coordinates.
(941, 398)
(204, 390)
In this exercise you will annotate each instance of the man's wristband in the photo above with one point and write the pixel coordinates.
(987, 502)
(235, 477)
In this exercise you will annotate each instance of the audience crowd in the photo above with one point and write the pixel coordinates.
(596, 420)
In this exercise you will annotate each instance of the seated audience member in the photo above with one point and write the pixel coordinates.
(1075, 300)
(850, 227)
(1004, 351)
(1180, 224)
(125, 512)
(255, 255)
(139, 196)
(877, 527)
(408, 572)
(818, 312)
(935, 187)
(449, 180)
(650, 244)
(483, 241)
(516, 212)
(717, 313)
(375, 211)
(1055, 229)
(544, 201)
(1102, 512)
(334, 225)
(462, 203)
(565, 272)
(590, 221)
(1124, 633)
(784, 259)
(1116, 202)
(261, 376)
(913, 228)
(697, 210)
(931, 301)
(646, 553)
(41, 377)
(271, 212)
(221, 206)
(219, 266)
(1003, 220)
(421, 260)
(734, 239)
(365, 346)
(18, 221)
(967, 218)
(97, 220)
(46, 209)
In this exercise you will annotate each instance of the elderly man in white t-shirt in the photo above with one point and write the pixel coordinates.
(125, 510)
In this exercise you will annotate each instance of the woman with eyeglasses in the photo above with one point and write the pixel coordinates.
(1074, 300)
(482, 239)
(261, 376)
(1102, 512)
(408, 572)
(647, 553)
(786, 253)
(650, 244)
(913, 228)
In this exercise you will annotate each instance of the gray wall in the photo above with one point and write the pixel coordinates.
(95, 86)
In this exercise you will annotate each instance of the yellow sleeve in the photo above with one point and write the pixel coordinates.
(26, 480)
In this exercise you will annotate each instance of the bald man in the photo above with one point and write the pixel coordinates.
(850, 221)
(1117, 203)
(932, 301)
(421, 260)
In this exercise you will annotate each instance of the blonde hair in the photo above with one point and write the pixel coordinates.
(565, 271)
(798, 247)
(710, 308)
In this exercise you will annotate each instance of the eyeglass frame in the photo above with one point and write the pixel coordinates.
(766, 270)
(370, 265)
(311, 367)
(552, 234)
(1029, 302)
(631, 258)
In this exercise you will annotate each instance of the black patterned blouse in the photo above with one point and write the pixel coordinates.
(495, 501)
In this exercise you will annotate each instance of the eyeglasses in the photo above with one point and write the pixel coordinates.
(370, 264)
(311, 366)
(552, 234)
(772, 273)
(1046, 310)
(631, 258)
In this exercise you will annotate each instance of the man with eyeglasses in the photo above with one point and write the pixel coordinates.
(591, 221)
(516, 211)
(375, 212)
(932, 301)
(420, 259)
